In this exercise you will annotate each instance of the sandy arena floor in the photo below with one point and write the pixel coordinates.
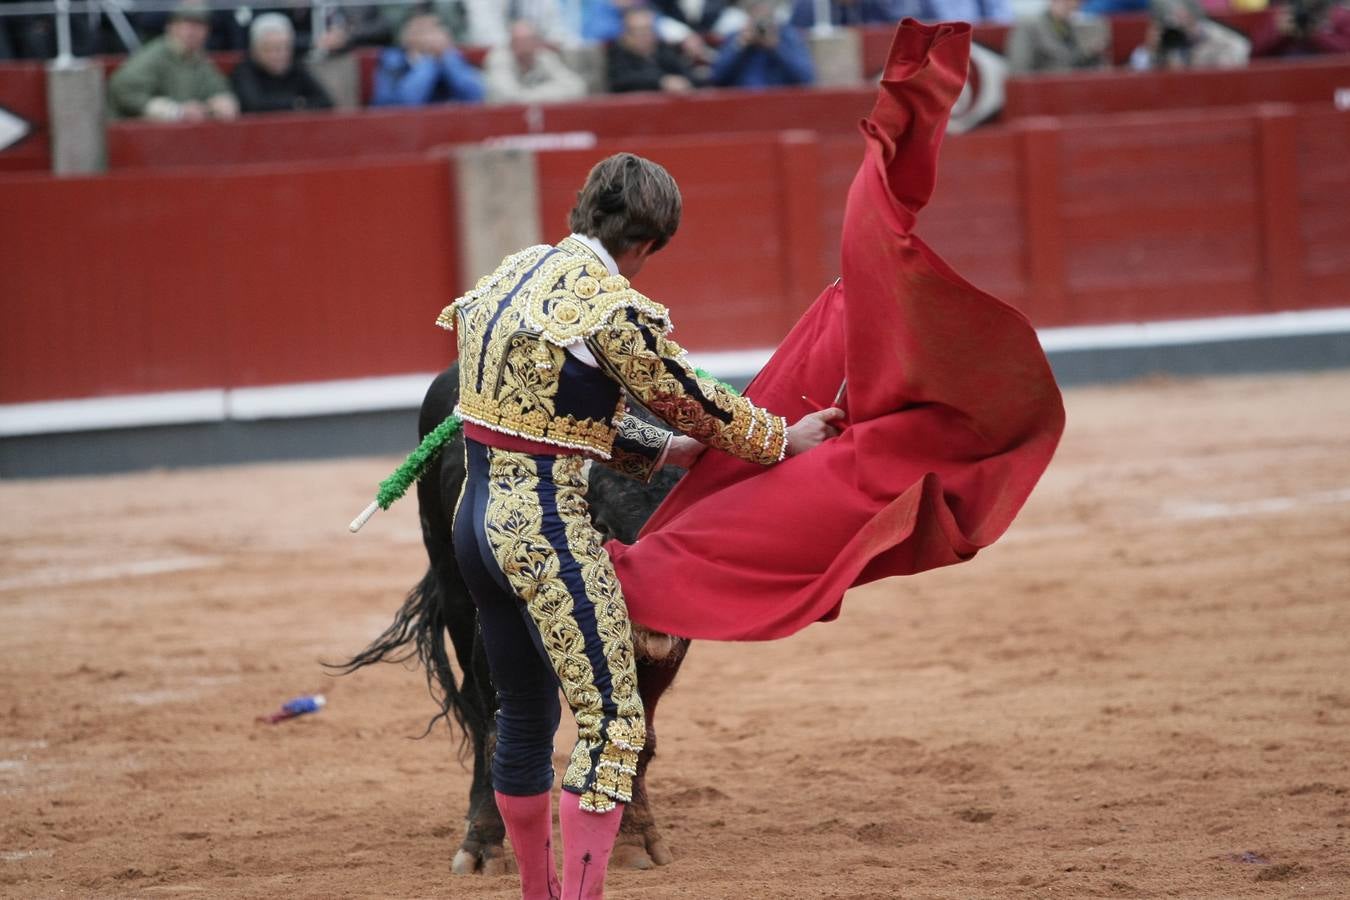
(1143, 691)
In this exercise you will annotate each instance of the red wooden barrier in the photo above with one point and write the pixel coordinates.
(1321, 174)
(154, 282)
(1092, 93)
(272, 274)
(305, 136)
(1163, 218)
(387, 131)
(373, 133)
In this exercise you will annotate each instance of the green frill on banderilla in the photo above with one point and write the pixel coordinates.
(415, 465)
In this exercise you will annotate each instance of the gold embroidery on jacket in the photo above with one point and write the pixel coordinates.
(579, 298)
(512, 358)
(638, 447)
(643, 371)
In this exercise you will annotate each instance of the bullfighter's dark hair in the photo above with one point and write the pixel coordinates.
(626, 201)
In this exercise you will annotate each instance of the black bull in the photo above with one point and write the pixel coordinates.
(440, 605)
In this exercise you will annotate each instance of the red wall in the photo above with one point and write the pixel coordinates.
(384, 131)
(271, 274)
(1311, 81)
(1316, 231)
(154, 282)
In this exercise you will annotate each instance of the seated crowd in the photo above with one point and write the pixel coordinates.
(545, 50)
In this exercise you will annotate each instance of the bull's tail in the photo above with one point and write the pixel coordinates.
(419, 630)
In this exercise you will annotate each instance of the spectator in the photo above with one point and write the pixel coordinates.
(425, 68)
(600, 21)
(1305, 28)
(639, 61)
(855, 12)
(1181, 36)
(348, 27)
(966, 11)
(269, 79)
(699, 16)
(764, 53)
(1114, 7)
(171, 78)
(526, 71)
(1059, 40)
(487, 23)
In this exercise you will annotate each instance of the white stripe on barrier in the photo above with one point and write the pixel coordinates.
(406, 391)
(736, 364)
(320, 398)
(1196, 331)
(97, 413)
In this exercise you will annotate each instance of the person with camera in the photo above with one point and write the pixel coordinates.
(1304, 28)
(764, 53)
(1181, 36)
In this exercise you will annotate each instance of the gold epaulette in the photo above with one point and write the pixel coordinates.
(446, 319)
(512, 265)
(581, 298)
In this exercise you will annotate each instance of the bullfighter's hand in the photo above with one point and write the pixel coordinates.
(683, 451)
(812, 430)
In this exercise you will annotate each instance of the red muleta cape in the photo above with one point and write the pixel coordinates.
(953, 410)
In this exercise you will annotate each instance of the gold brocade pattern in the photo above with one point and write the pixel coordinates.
(512, 353)
(604, 760)
(514, 328)
(577, 297)
(639, 448)
(751, 433)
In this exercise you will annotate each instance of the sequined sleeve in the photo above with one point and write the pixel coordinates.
(634, 348)
(639, 448)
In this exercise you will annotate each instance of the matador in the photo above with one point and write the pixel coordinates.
(552, 346)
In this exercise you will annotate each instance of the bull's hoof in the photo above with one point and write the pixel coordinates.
(660, 851)
(482, 859)
(631, 856)
(638, 851)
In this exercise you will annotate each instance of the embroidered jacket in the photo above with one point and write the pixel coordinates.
(549, 342)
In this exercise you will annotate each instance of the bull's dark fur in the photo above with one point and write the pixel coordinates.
(440, 607)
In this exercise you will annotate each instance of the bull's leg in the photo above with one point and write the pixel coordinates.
(640, 845)
(481, 850)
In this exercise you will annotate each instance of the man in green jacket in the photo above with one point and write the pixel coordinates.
(171, 79)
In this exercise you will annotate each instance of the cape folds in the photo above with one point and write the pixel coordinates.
(953, 410)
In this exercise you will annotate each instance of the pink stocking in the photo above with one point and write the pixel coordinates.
(588, 839)
(529, 824)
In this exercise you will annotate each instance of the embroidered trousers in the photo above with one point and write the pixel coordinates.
(552, 615)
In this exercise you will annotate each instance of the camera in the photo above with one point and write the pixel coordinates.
(1306, 14)
(1173, 39)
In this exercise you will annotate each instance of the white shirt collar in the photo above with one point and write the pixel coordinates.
(599, 250)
